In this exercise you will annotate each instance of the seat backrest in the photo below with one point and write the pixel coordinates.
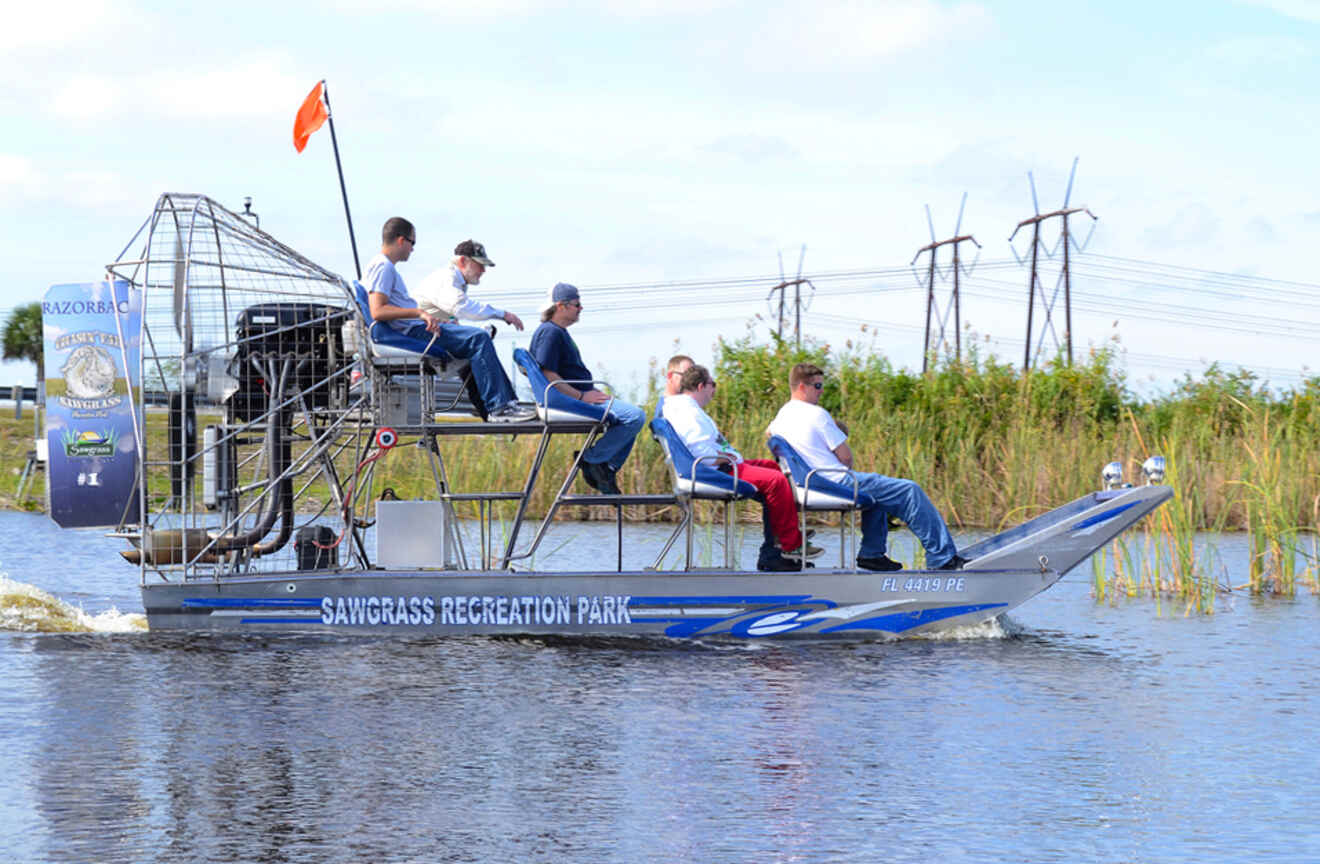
(827, 490)
(700, 480)
(363, 304)
(790, 461)
(373, 332)
(551, 405)
(390, 347)
(677, 455)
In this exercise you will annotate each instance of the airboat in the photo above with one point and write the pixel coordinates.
(259, 401)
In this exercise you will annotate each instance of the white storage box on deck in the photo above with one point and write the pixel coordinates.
(411, 534)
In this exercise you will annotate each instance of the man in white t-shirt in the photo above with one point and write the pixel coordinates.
(817, 438)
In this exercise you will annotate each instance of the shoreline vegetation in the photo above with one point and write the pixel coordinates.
(991, 445)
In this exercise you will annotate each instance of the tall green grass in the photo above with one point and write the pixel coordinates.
(990, 444)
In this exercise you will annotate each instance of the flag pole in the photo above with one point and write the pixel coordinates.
(334, 142)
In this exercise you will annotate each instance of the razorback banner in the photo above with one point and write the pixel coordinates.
(91, 333)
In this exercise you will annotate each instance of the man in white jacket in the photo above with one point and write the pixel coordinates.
(444, 292)
(443, 296)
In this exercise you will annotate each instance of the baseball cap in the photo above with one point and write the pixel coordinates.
(474, 250)
(561, 293)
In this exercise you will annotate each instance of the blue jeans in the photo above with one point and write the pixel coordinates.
(473, 345)
(908, 502)
(614, 445)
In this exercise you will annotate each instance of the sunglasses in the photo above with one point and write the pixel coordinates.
(819, 385)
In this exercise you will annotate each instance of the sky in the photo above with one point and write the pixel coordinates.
(604, 142)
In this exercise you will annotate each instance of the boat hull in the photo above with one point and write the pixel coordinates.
(1005, 571)
(691, 604)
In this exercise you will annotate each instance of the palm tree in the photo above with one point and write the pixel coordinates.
(23, 338)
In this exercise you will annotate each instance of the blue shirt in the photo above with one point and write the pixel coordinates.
(382, 278)
(552, 348)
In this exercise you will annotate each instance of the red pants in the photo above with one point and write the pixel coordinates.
(774, 487)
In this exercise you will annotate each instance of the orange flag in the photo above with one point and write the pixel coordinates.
(311, 115)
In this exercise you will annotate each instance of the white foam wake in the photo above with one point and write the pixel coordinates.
(999, 627)
(26, 608)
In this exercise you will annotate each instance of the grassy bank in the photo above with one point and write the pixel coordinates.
(990, 444)
(15, 441)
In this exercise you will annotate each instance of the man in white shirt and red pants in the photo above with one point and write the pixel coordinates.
(685, 413)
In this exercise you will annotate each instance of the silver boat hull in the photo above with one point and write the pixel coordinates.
(1006, 571)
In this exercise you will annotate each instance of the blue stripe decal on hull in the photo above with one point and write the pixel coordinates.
(1102, 517)
(900, 621)
(279, 620)
(731, 598)
(251, 603)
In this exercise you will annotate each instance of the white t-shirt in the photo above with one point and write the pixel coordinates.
(811, 431)
(696, 428)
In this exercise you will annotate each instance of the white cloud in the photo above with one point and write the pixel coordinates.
(503, 8)
(853, 30)
(831, 29)
(1302, 10)
(253, 85)
(1250, 51)
(751, 148)
(650, 138)
(20, 179)
(1194, 225)
(38, 28)
(23, 181)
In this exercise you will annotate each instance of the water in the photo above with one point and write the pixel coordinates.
(1074, 732)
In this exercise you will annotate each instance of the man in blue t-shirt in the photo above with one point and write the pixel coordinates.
(557, 355)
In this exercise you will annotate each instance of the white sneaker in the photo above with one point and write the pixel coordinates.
(511, 413)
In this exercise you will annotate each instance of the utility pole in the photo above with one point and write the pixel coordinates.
(955, 304)
(1064, 281)
(783, 286)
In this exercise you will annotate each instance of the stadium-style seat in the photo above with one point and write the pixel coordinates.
(698, 479)
(553, 406)
(816, 490)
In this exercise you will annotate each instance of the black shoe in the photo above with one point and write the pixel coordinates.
(954, 563)
(883, 564)
(780, 565)
(600, 477)
(609, 478)
(590, 473)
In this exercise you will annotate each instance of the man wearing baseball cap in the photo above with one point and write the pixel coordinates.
(444, 292)
(443, 296)
(557, 355)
